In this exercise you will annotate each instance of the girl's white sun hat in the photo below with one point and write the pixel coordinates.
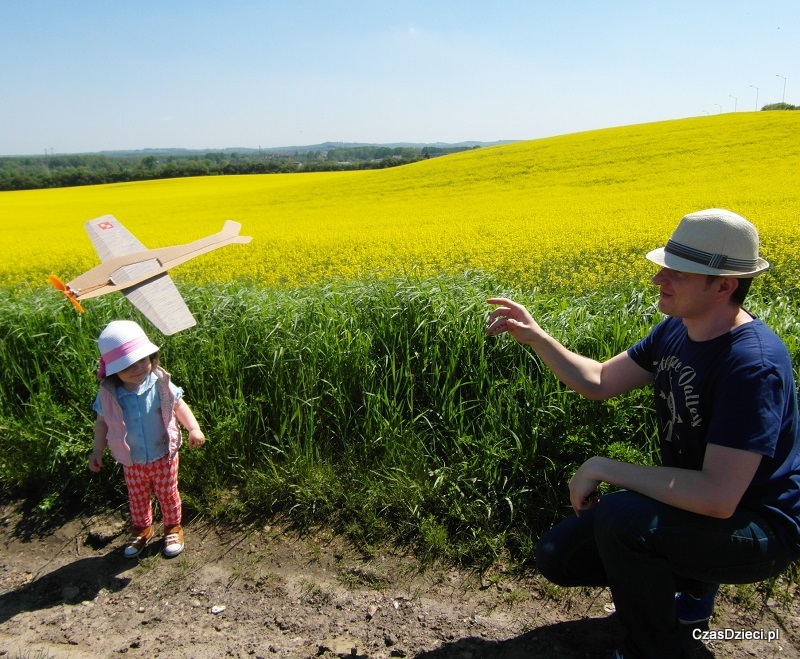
(712, 242)
(121, 344)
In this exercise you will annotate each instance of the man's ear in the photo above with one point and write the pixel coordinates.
(726, 285)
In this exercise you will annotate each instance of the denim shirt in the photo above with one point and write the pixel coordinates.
(141, 411)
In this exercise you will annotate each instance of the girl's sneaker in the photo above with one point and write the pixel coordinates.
(140, 536)
(173, 540)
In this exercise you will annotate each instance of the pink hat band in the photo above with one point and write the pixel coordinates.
(119, 352)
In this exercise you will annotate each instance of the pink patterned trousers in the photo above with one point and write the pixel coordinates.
(159, 477)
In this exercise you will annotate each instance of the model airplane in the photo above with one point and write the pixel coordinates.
(141, 274)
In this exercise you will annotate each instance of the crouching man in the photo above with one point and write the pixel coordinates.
(724, 505)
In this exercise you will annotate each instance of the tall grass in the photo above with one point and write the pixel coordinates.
(379, 407)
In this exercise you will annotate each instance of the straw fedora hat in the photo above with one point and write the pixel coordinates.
(712, 242)
(121, 344)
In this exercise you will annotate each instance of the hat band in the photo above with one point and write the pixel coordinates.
(718, 261)
(119, 352)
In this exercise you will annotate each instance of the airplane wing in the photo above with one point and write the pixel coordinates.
(110, 238)
(158, 298)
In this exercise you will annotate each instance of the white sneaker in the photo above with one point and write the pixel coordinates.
(140, 536)
(173, 540)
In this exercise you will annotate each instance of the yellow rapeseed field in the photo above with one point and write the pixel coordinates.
(572, 212)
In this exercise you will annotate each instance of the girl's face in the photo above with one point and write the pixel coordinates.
(133, 376)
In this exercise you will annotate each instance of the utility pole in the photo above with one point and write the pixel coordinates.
(783, 98)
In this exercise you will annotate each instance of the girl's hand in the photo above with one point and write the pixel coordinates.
(187, 420)
(196, 438)
(96, 461)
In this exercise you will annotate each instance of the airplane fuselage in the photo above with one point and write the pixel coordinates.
(122, 272)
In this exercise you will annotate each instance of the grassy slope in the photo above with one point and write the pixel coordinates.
(522, 210)
(380, 406)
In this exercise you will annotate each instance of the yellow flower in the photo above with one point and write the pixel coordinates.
(574, 212)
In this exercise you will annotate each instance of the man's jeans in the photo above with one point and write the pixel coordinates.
(646, 551)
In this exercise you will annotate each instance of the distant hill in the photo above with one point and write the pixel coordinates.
(324, 146)
(69, 170)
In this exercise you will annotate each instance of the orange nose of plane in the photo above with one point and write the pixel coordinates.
(65, 291)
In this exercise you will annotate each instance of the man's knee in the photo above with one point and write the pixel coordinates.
(624, 518)
(567, 555)
(624, 508)
(549, 559)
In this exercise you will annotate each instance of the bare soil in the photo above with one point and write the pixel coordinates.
(267, 592)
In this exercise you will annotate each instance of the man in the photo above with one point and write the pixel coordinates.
(724, 505)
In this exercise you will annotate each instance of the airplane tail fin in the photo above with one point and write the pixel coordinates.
(65, 291)
(231, 230)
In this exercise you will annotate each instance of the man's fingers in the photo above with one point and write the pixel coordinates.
(494, 327)
(502, 300)
(500, 312)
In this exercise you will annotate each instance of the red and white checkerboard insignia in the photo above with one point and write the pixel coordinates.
(105, 225)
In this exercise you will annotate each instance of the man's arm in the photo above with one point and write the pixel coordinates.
(590, 378)
(715, 490)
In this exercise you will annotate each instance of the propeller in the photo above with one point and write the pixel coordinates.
(66, 291)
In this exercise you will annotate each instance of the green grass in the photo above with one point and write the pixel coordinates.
(380, 409)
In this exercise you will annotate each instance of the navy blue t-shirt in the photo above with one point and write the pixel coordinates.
(736, 390)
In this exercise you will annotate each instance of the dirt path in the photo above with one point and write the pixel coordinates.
(264, 592)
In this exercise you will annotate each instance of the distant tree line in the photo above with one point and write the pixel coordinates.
(57, 171)
(781, 106)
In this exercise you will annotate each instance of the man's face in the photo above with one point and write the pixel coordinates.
(683, 294)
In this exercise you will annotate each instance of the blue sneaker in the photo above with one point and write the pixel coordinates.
(694, 609)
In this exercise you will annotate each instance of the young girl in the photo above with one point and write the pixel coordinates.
(138, 410)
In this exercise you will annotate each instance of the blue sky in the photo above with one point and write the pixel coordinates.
(90, 75)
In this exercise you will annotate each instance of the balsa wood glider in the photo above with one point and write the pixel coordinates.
(141, 273)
